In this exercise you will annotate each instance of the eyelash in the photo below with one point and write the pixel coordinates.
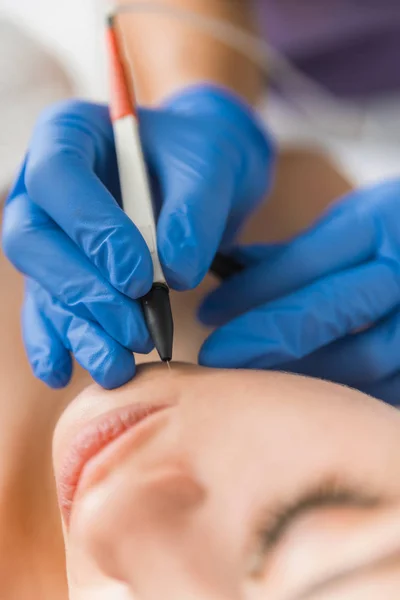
(330, 493)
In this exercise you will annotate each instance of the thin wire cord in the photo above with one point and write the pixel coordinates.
(254, 48)
(320, 105)
(248, 45)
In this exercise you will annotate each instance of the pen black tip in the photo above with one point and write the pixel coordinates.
(110, 20)
(158, 315)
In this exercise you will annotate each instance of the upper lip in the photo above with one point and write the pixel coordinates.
(91, 440)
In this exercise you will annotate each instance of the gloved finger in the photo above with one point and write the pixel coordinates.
(388, 390)
(71, 147)
(51, 362)
(297, 325)
(190, 228)
(344, 238)
(357, 360)
(50, 258)
(110, 364)
(199, 177)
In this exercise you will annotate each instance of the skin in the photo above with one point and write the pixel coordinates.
(31, 541)
(173, 509)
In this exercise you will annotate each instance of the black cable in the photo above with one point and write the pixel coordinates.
(224, 267)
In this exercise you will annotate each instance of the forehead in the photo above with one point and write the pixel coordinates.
(295, 427)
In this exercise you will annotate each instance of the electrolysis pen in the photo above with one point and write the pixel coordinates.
(136, 195)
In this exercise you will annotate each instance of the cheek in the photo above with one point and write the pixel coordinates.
(368, 587)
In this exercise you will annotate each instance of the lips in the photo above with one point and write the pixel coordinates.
(91, 440)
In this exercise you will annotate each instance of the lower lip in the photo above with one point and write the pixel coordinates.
(91, 440)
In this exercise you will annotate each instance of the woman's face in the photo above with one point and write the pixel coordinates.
(216, 485)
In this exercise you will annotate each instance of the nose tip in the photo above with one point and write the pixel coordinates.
(147, 518)
(169, 491)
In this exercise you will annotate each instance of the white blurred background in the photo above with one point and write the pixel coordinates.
(71, 29)
(49, 50)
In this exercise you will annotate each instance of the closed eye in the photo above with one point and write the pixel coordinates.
(274, 525)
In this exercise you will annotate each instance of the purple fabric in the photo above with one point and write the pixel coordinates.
(350, 46)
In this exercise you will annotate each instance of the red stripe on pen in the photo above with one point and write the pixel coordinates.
(121, 102)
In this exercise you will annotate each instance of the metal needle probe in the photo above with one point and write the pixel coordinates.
(136, 195)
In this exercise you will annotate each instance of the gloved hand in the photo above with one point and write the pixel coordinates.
(325, 305)
(85, 262)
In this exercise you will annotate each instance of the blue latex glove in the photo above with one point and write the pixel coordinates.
(85, 262)
(325, 305)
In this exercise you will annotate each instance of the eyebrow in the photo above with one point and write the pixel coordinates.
(350, 574)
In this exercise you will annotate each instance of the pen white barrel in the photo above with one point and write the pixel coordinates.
(136, 195)
(135, 186)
